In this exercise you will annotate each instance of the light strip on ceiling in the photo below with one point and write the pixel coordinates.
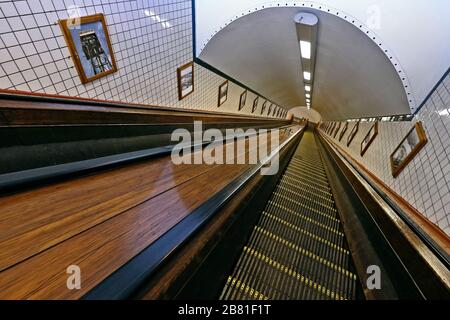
(305, 49)
(307, 75)
(306, 26)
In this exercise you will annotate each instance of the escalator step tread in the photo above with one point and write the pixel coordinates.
(297, 250)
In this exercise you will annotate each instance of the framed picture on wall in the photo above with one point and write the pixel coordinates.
(410, 146)
(370, 136)
(337, 130)
(255, 104)
(264, 106)
(242, 100)
(344, 130)
(90, 47)
(223, 93)
(332, 128)
(185, 76)
(352, 134)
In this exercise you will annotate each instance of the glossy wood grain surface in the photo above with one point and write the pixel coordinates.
(97, 222)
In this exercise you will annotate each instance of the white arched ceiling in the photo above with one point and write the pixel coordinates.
(412, 35)
(303, 112)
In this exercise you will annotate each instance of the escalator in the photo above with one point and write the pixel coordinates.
(306, 233)
(297, 250)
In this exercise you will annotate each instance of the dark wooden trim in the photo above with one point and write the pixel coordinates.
(99, 17)
(179, 70)
(105, 105)
(396, 170)
(19, 110)
(372, 138)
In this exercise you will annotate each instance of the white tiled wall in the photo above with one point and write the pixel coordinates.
(425, 182)
(150, 39)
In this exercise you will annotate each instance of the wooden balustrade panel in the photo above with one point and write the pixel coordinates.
(98, 222)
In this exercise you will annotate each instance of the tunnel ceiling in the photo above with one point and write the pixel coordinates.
(353, 77)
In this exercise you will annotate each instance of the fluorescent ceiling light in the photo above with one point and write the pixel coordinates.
(308, 95)
(305, 48)
(308, 88)
(156, 18)
(308, 100)
(307, 75)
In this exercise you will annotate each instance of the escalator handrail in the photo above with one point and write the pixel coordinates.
(438, 252)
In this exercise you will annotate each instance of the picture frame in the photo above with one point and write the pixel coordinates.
(242, 100)
(369, 138)
(352, 134)
(332, 128)
(185, 76)
(264, 106)
(338, 127)
(255, 104)
(408, 148)
(90, 46)
(270, 109)
(223, 93)
(344, 130)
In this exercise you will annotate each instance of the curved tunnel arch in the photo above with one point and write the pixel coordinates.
(303, 112)
(229, 19)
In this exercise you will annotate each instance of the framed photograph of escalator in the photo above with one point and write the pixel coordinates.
(337, 130)
(344, 130)
(242, 100)
(352, 134)
(89, 45)
(223, 93)
(410, 146)
(255, 104)
(264, 106)
(332, 128)
(185, 75)
(369, 138)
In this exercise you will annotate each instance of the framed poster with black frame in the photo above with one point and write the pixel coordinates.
(89, 45)
(344, 130)
(352, 134)
(332, 128)
(410, 146)
(255, 104)
(223, 93)
(264, 106)
(185, 75)
(369, 138)
(337, 130)
(242, 100)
